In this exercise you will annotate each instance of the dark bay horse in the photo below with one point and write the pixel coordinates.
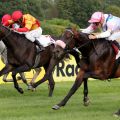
(3, 54)
(98, 61)
(21, 54)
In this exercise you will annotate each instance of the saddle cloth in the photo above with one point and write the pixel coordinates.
(46, 40)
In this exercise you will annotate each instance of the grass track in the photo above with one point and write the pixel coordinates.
(104, 97)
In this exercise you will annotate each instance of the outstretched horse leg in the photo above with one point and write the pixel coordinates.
(37, 71)
(19, 70)
(86, 99)
(5, 78)
(75, 86)
(6, 69)
(48, 76)
(22, 75)
(16, 83)
(51, 85)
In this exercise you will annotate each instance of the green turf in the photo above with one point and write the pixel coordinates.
(104, 97)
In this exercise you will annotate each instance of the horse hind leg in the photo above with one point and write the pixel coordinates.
(19, 70)
(5, 78)
(86, 100)
(16, 84)
(22, 77)
(37, 72)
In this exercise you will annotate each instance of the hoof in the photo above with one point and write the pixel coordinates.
(33, 89)
(117, 114)
(86, 101)
(56, 107)
(20, 90)
(50, 94)
(30, 87)
(34, 85)
(19, 78)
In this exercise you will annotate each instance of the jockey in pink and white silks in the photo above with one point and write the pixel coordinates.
(109, 24)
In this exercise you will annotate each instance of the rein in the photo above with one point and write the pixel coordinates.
(67, 46)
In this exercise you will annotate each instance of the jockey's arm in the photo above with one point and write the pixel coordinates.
(28, 26)
(90, 29)
(104, 34)
(23, 29)
(9, 22)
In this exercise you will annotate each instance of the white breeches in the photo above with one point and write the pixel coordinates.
(115, 36)
(34, 34)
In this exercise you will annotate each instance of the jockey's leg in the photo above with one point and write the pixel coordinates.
(39, 45)
(33, 36)
(116, 36)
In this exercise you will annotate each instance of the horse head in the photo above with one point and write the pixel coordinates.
(70, 39)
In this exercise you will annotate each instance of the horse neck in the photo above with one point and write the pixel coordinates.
(11, 39)
(84, 43)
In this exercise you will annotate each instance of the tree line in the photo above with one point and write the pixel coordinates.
(76, 11)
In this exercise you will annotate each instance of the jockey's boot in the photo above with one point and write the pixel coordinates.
(41, 48)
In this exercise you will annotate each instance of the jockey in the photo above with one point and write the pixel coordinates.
(7, 20)
(109, 24)
(30, 25)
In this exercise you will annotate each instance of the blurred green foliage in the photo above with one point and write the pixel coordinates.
(55, 15)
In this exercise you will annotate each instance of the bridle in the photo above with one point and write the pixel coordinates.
(67, 48)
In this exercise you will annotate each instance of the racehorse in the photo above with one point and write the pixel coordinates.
(3, 53)
(98, 61)
(21, 54)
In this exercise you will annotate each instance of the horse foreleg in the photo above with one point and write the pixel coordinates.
(48, 70)
(86, 99)
(5, 78)
(16, 83)
(23, 78)
(37, 70)
(8, 68)
(75, 86)
(51, 85)
(19, 70)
